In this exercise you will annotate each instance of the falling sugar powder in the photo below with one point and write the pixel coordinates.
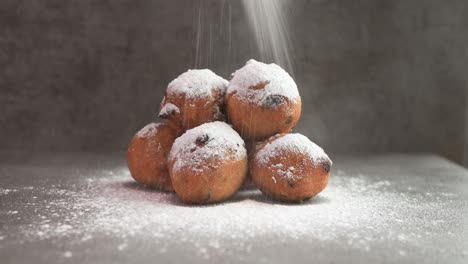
(122, 246)
(256, 81)
(270, 23)
(197, 83)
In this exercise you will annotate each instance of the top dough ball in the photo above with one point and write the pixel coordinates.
(194, 98)
(262, 100)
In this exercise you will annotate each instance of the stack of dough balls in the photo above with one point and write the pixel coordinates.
(199, 149)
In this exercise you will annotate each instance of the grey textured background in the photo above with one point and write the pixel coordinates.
(374, 75)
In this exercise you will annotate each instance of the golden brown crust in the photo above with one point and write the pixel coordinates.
(194, 111)
(219, 182)
(147, 157)
(307, 180)
(278, 114)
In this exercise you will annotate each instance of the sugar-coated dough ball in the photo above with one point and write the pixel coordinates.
(147, 155)
(194, 98)
(290, 167)
(208, 163)
(262, 100)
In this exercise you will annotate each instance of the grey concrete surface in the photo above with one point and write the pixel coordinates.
(85, 208)
(375, 76)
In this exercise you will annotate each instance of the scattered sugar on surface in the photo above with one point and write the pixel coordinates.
(278, 82)
(6, 191)
(148, 130)
(363, 211)
(221, 141)
(293, 143)
(197, 83)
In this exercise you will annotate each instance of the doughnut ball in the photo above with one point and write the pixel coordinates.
(290, 168)
(147, 155)
(262, 100)
(208, 163)
(194, 98)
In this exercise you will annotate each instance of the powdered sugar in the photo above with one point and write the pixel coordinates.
(197, 83)
(6, 191)
(356, 212)
(271, 77)
(169, 109)
(293, 143)
(286, 173)
(219, 141)
(148, 130)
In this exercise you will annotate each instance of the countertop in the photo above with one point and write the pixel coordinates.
(85, 208)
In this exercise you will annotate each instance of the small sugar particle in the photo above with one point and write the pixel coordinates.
(122, 246)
